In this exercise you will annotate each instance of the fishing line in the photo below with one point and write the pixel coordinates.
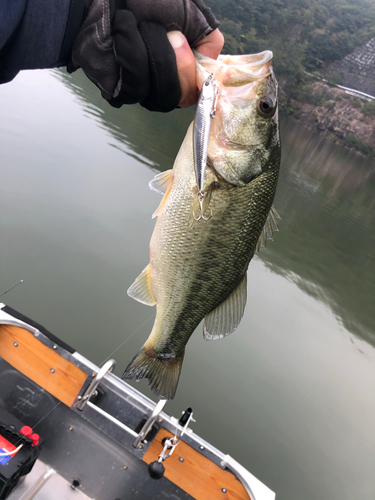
(102, 363)
(11, 288)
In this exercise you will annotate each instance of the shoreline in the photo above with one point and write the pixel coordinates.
(337, 114)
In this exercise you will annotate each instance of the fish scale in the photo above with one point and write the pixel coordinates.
(198, 268)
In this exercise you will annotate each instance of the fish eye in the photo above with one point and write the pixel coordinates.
(266, 106)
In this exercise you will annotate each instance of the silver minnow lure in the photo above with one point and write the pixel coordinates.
(205, 111)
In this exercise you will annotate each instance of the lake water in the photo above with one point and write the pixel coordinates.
(290, 394)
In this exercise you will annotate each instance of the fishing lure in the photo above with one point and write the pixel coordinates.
(205, 112)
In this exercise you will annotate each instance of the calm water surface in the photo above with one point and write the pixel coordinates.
(290, 394)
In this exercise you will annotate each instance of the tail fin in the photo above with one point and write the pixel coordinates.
(162, 370)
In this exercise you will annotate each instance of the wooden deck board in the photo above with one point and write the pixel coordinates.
(35, 360)
(196, 475)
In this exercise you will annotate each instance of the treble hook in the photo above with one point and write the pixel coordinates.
(216, 97)
(201, 211)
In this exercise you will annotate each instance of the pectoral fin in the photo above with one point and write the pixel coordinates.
(161, 181)
(141, 288)
(223, 320)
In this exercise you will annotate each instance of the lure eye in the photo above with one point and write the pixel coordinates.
(266, 106)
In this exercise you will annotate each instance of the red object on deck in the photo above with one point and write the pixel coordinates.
(35, 438)
(26, 431)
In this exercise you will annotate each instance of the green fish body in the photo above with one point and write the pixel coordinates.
(198, 268)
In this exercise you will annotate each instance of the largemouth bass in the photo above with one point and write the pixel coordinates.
(198, 268)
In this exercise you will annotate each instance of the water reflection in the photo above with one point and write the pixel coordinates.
(290, 394)
(325, 197)
(153, 138)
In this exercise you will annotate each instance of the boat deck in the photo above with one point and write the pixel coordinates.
(92, 447)
(44, 483)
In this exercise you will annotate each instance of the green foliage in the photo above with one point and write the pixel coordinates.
(335, 79)
(368, 108)
(355, 142)
(317, 98)
(233, 39)
(329, 28)
(303, 34)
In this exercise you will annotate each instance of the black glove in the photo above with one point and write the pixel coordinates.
(123, 48)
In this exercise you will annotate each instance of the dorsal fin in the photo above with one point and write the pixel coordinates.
(223, 320)
(141, 288)
(269, 227)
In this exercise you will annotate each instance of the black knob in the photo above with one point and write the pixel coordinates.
(156, 470)
(185, 416)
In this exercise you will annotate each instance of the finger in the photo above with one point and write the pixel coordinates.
(185, 68)
(211, 45)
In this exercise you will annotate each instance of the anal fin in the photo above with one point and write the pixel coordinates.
(141, 288)
(269, 227)
(224, 320)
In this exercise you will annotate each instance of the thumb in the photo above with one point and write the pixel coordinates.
(185, 68)
(211, 45)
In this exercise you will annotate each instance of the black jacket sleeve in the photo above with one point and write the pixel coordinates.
(37, 33)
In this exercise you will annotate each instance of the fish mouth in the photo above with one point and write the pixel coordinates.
(240, 133)
(234, 149)
(235, 71)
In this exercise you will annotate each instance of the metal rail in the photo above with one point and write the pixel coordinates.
(106, 368)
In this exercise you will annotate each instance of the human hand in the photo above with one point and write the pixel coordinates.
(123, 47)
(209, 46)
